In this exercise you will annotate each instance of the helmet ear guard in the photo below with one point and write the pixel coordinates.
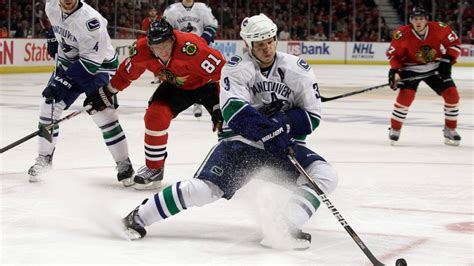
(257, 28)
(159, 31)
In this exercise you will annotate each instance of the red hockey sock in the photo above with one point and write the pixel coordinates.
(400, 108)
(157, 121)
(451, 111)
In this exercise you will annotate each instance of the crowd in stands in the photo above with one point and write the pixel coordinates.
(317, 20)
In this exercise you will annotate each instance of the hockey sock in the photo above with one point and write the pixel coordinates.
(44, 146)
(157, 121)
(302, 205)
(114, 137)
(451, 111)
(175, 198)
(401, 106)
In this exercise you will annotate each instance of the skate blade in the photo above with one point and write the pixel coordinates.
(393, 142)
(34, 179)
(451, 142)
(132, 234)
(149, 186)
(128, 182)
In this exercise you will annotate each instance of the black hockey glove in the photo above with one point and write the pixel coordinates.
(58, 86)
(277, 141)
(393, 80)
(99, 99)
(51, 42)
(445, 65)
(272, 108)
(217, 119)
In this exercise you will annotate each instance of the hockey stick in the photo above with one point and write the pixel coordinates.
(423, 76)
(334, 211)
(44, 130)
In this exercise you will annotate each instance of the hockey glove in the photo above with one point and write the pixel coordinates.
(217, 119)
(445, 65)
(277, 141)
(58, 86)
(270, 109)
(51, 42)
(394, 78)
(99, 99)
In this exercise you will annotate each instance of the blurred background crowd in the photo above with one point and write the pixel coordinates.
(313, 20)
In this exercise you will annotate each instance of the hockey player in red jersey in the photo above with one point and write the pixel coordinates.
(190, 71)
(415, 49)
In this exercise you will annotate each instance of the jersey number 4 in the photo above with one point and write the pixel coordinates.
(209, 66)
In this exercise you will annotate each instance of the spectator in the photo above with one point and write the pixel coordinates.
(284, 34)
(23, 30)
(152, 16)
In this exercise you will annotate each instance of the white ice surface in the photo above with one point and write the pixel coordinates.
(403, 201)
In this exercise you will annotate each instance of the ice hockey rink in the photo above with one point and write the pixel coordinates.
(413, 200)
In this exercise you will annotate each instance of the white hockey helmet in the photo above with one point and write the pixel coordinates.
(257, 28)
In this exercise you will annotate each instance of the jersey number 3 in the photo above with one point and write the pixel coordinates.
(209, 66)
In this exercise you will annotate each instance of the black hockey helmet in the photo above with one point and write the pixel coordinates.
(418, 11)
(160, 30)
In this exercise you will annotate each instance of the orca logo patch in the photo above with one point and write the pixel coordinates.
(234, 60)
(93, 24)
(303, 64)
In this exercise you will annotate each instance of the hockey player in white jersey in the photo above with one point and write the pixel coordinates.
(86, 59)
(268, 100)
(194, 17)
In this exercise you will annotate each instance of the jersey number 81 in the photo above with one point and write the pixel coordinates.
(208, 66)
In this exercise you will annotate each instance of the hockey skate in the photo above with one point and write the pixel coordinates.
(451, 137)
(294, 239)
(43, 164)
(133, 225)
(393, 135)
(125, 172)
(197, 110)
(148, 178)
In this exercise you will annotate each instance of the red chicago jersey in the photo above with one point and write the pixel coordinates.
(411, 52)
(192, 64)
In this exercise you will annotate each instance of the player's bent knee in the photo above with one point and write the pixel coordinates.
(158, 116)
(197, 192)
(324, 175)
(451, 95)
(105, 117)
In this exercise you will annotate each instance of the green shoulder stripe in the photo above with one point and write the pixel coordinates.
(231, 108)
(314, 122)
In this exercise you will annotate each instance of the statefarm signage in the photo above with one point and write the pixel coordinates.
(24, 52)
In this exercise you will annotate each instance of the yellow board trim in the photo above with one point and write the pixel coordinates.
(26, 69)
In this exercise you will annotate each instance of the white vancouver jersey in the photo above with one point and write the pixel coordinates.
(82, 36)
(194, 19)
(290, 80)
